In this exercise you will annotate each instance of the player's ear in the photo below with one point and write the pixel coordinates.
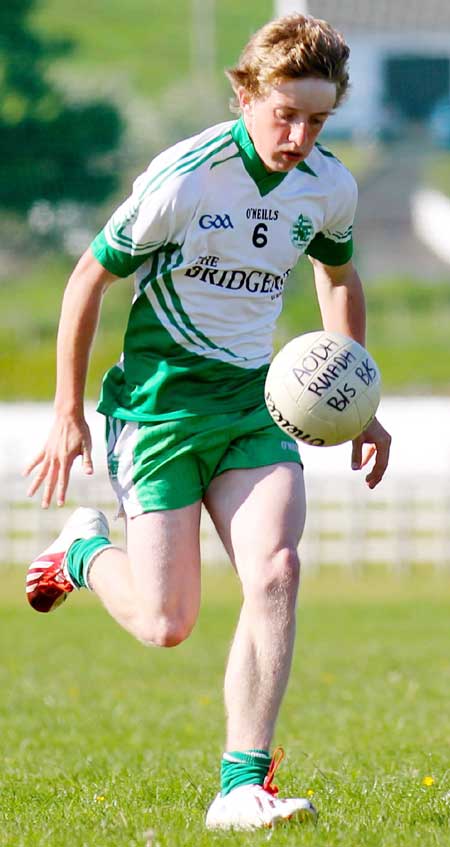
(244, 99)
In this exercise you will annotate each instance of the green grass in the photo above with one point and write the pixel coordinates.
(141, 45)
(103, 740)
(358, 158)
(437, 171)
(29, 324)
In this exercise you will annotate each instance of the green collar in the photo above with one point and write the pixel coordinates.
(265, 180)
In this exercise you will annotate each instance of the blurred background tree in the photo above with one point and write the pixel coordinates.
(92, 90)
(50, 150)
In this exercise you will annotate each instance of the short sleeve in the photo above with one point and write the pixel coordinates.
(333, 245)
(144, 223)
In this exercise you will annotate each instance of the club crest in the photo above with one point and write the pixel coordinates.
(302, 231)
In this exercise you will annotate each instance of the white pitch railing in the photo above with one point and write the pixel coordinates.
(404, 521)
(403, 524)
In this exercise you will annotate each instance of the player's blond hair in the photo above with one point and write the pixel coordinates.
(292, 47)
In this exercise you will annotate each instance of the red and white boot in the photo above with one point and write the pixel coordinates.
(48, 582)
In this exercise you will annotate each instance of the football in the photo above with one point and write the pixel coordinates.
(323, 388)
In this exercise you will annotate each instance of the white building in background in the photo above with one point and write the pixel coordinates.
(400, 58)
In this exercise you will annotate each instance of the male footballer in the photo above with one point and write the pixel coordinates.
(211, 231)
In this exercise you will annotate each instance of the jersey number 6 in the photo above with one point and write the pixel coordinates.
(259, 238)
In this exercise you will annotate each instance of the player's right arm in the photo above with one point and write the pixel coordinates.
(69, 436)
(156, 213)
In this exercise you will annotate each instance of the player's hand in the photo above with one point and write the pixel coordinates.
(68, 439)
(374, 441)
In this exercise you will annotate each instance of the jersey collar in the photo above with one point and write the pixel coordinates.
(264, 179)
(253, 164)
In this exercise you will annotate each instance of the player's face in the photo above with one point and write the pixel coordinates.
(284, 125)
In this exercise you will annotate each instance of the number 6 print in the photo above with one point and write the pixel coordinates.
(259, 238)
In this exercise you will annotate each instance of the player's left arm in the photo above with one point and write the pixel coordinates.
(341, 299)
(342, 306)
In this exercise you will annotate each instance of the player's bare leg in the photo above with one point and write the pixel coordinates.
(153, 590)
(259, 515)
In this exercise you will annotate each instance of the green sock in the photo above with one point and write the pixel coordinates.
(79, 556)
(246, 767)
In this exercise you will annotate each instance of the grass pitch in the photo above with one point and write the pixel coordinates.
(104, 742)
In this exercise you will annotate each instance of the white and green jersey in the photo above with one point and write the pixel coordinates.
(213, 237)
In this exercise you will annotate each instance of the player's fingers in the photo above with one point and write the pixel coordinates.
(356, 454)
(87, 463)
(376, 474)
(62, 483)
(51, 480)
(38, 480)
(369, 451)
(86, 455)
(36, 461)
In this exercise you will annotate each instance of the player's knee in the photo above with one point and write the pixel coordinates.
(164, 631)
(283, 571)
(279, 574)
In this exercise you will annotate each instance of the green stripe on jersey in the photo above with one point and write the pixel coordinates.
(160, 282)
(112, 257)
(184, 164)
(179, 309)
(227, 159)
(116, 235)
(115, 261)
(325, 151)
(330, 252)
(181, 161)
(168, 381)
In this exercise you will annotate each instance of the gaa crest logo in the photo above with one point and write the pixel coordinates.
(302, 231)
(216, 222)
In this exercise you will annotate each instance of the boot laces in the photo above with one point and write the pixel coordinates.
(277, 758)
(55, 575)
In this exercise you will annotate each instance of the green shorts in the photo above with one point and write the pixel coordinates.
(156, 466)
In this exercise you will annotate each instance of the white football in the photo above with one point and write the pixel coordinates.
(323, 388)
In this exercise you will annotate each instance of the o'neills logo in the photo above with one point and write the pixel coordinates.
(256, 282)
(288, 427)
